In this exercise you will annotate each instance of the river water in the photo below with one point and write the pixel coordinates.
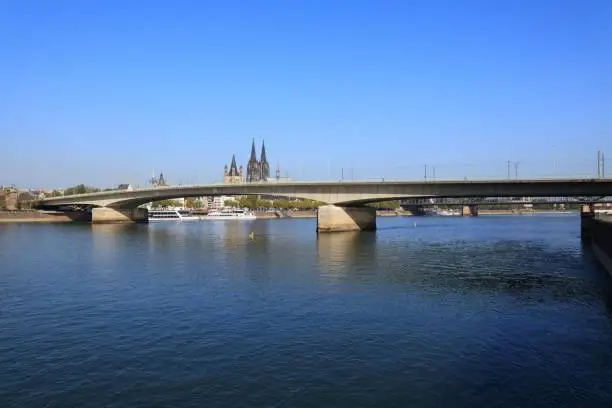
(492, 311)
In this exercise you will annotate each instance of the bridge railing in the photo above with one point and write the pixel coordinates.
(505, 200)
(429, 170)
(426, 170)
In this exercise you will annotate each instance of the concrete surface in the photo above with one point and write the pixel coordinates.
(331, 218)
(111, 215)
(347, 193)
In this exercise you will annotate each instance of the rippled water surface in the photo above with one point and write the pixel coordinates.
(452, 312)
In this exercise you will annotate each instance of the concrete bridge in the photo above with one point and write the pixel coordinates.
(344, 209)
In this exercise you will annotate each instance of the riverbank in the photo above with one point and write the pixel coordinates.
(40, 216)
(57, 216)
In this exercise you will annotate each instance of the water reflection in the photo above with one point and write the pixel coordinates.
(386, 318)
(521, 269)
(107, 239)
(344, 254)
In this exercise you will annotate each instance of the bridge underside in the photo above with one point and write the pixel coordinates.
(345, 202)
(349, 193)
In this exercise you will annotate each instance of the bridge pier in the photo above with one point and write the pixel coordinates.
(331, 218)
(469, 210)
(106, 215)
(587, 216)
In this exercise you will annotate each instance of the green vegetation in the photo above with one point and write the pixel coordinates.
(254, 202)
(166, 203)
(193, 203)
(385, 205)
(81, 189)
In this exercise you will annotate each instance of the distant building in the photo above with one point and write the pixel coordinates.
(233, 174)
(9, 198)
(159, 181)
(278, 178)
(38, 194)
(217, 202)
(125, 187)
(258, 170)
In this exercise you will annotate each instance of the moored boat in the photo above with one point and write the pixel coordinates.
(230, 214)
(172, 214)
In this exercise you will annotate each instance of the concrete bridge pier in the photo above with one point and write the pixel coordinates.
(331, 218)
(107, 215)
(469, 210)
(587, 216)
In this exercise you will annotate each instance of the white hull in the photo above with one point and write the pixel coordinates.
(231, 214)
(221, 218)
(175, 219)
(172, 215)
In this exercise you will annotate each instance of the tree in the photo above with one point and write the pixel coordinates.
(80, 189)
(166, 203)
(193, 203)
(386, 205)
(24, 200)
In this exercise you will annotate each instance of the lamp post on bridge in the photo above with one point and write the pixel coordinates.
(516, 165)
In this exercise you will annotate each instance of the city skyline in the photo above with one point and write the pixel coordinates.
(102, 95)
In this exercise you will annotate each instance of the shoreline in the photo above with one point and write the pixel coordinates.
(16, 217)
(10, 217)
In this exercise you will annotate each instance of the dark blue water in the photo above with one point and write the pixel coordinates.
(465, 312)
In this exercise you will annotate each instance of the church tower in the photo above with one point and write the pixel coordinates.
(253, 168)
(264, 167)
(233, 175)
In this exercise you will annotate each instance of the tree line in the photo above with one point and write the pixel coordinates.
(254, 202)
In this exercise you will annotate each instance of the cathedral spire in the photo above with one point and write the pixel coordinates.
(264, 167)
(263, 153)
(253, 154)
(233, 171)
(253, 168)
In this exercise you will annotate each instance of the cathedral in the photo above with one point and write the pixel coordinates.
(233, 175)
(258, 170)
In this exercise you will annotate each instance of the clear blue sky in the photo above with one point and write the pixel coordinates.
(103, 92)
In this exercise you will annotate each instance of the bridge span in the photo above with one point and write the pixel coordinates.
(344, 209)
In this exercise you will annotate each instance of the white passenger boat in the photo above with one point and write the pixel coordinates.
(451, 213)
(230, 214)
(172, 214)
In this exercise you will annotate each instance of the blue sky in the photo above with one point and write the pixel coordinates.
(103, 92)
